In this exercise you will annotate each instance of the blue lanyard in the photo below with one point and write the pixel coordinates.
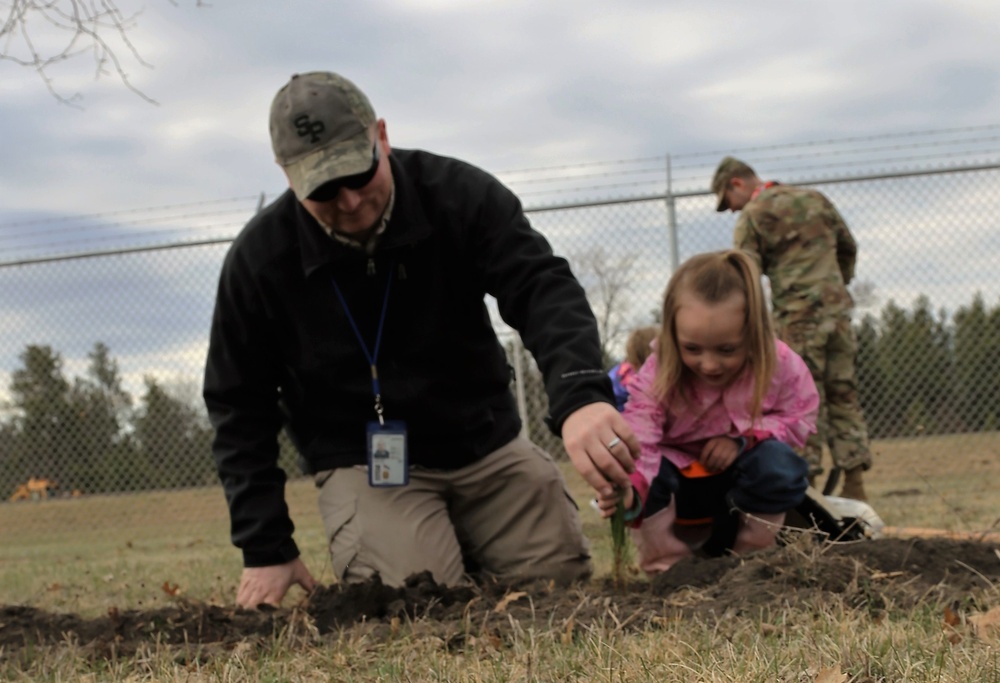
(372, 356)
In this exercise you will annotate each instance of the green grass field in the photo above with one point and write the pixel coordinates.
(91, 554)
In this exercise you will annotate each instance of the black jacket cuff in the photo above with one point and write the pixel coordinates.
(286, 552)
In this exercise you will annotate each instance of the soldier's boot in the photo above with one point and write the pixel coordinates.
(854, 486)
(757, 530)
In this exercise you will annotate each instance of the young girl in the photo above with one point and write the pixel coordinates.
(717, 407)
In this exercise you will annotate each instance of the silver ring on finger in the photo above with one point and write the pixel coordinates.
(614, 442)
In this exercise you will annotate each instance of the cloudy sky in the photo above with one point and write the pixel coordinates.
(508, 85)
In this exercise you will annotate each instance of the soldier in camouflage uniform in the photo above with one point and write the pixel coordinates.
(807, 252)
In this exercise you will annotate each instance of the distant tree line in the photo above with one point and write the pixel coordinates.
(923, 373)
(87, 435)
(919, 372)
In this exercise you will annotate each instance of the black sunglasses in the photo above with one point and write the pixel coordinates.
(329, 190)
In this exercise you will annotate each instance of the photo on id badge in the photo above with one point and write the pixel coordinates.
(387, 462)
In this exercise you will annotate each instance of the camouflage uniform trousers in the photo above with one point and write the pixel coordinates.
(829, 348)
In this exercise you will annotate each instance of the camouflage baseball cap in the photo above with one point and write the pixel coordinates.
(320, 130)
(728, 168)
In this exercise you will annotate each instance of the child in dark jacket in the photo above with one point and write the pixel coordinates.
(636, 352)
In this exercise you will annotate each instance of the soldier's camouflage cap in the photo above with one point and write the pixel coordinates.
(728, 168)
(320, 130)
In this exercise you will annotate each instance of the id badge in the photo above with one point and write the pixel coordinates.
(388, 460)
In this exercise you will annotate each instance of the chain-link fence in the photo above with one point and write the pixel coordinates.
(101, 356)
(926, 287)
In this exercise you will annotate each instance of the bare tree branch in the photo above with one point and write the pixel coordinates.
(863, 292)
(40, 34)
(607, 282)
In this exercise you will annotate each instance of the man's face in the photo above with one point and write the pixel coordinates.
(353, 212)
(738, 193)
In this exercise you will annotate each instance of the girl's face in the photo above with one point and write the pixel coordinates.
(711, 337)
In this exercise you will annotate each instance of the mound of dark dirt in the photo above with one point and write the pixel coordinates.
(872, 575)
(868, 574)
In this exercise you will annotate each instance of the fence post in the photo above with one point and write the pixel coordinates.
(517, 350)
(671, 219)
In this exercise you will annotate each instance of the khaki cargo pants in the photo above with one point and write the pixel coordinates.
(508, 515)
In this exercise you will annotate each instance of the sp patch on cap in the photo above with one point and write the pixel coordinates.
(321, 130)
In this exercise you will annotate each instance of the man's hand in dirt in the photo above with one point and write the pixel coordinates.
(601, 446)
(268, 585)
(719, 453)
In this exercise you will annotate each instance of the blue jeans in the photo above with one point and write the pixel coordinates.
(768, 478)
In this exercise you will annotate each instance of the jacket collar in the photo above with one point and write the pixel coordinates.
(407, 225)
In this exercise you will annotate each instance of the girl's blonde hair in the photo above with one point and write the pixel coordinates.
(713, 277)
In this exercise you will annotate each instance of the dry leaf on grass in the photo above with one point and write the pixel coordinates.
(886, 575)
(507, 599)
(567, 635)
(987, 624)
(831, 676)
(952, 620)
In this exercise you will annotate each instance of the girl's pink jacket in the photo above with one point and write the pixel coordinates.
(679, 429)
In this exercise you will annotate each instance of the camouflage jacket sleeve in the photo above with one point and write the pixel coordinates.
(847, 248)
(745, 237)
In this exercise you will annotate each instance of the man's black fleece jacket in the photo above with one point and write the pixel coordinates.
(283, 351)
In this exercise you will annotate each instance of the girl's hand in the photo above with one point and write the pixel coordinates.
(607, 503)
(719, 453)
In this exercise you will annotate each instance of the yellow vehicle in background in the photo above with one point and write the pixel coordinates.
(34, 489)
